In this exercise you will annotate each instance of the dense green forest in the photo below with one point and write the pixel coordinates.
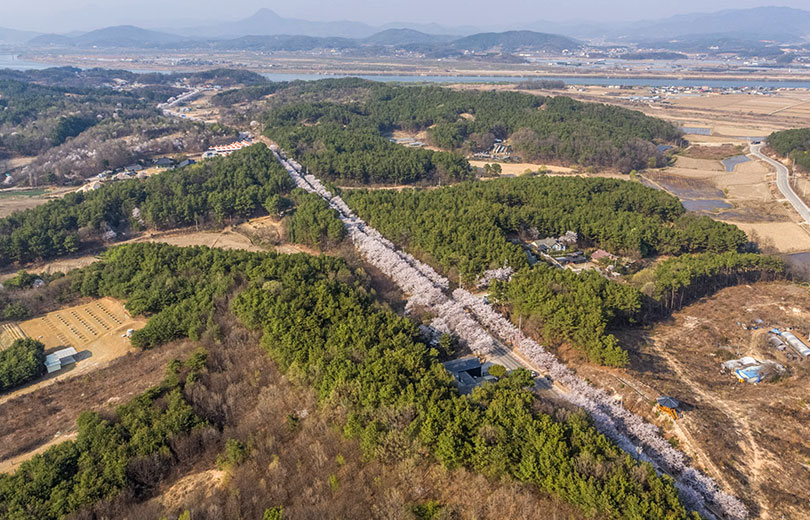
(23, 361)
(540, 128)
(681, 280)
(470, 228)
(132, 449)
(213, 191)
(465, 228)
(794, 144)
(566, 306)
(360, 156)
(313, 222)
(323, 327)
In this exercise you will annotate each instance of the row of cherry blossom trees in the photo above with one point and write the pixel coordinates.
(482, 328)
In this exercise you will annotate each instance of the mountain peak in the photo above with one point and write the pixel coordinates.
(265, 13)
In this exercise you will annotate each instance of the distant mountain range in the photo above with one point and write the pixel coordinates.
(128, 36)
(15, 36)
(266, 30)
(513, 41)
(780, 24)
(119, 36)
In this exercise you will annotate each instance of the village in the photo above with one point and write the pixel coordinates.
(159, 164)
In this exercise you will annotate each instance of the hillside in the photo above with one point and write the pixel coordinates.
(114, 37)
(266, 22)
(512, 41)
(761, 23)
(15, 36)
(406, 37)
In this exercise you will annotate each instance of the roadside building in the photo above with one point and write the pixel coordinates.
(669, 406)
(548, 244)
(468, 372)
(164, 162)
(91, 186)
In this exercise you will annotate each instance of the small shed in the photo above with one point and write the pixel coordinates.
(60, 359)
(669, 406)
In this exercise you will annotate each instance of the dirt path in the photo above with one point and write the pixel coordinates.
(756, 467)
(10, 465)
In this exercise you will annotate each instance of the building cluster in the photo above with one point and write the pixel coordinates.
(60, 359)
(750, 370)
(133, 171)
(499, 150)
(560, 251)
(227, 149)
(407, 141)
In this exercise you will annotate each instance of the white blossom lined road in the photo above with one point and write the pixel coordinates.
(487, 332)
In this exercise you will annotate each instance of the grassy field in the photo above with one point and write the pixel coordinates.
(34, 192)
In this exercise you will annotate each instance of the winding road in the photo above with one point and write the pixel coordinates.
(783, 183)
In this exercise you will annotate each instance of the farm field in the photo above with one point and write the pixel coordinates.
(750, 437)
(520, 168)
(745, 197)
(255, 235)
(94, 329)
(19, 200)
(37, 419)
(267, 230)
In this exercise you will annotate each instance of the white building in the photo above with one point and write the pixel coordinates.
(60, 359)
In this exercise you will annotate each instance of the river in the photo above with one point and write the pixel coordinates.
(13, 61)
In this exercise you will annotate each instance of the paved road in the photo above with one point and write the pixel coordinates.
(783, 184)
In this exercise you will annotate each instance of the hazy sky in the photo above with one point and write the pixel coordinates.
(69, 15)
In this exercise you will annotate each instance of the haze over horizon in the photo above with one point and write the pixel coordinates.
(63, 16)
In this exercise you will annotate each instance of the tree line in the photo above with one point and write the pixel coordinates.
(466, 228)
(131, 449)
(541, 128)
(210, 192)
(794, 144)
(363, 156)
(683, 279)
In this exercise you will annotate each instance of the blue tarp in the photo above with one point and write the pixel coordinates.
(750, 374)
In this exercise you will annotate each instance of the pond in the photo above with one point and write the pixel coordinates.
(731, 162)
(705, 204)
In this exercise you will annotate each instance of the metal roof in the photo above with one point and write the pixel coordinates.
(668, 402)
(462, 365)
